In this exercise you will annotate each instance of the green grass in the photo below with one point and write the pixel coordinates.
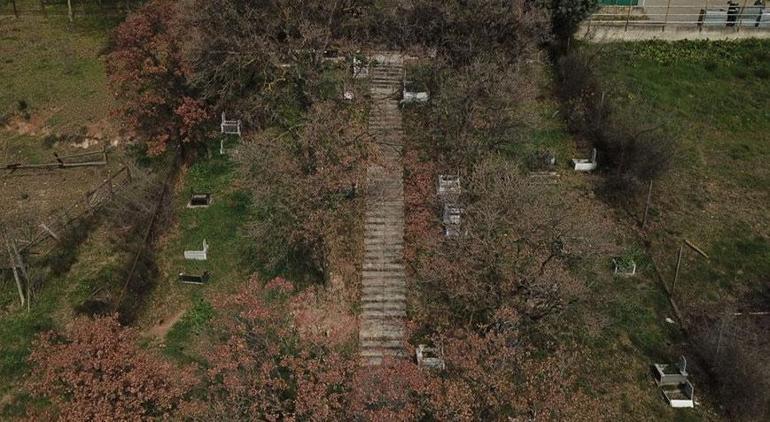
(58, 72)
(17, 331)
(715, 98)
(185, 331)
(221, 225)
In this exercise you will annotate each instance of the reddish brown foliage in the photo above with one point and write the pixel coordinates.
(96, 371)
(148, 77)
(305, 184)
(261, 371)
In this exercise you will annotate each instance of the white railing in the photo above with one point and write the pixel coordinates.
(709, 14)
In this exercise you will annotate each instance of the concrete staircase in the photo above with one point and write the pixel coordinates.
(383, 295)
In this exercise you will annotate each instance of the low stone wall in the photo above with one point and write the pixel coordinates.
(610, 33)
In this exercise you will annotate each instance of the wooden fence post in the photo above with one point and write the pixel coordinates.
(23, 268)
(676, 273)
(15, 272)
(109, 185)
(647, 206)
(628, 17)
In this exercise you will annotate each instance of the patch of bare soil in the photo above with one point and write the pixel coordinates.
(163, 326)
(34, 126)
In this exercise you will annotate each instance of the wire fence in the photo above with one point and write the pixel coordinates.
(671, 13)
(58, 222)
(78, 9)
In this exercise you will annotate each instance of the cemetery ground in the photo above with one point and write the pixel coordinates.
(608, 335)
(714, 96)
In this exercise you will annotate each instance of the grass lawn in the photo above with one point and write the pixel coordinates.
(53, 71)
(220, 225)
(716, 98)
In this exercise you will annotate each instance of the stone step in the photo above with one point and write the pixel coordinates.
(380, 352)
(379, 224)
(393, 236)
(395, 272)
(381, 329)
(395, 221)
(395, 213)
(383, 254)
(391, 231)
(378, 329)
(381, 298)
(384, 276)
(396, 304)
(387, 72)
(390, 73)
(380, 246)
(384, 314)
(386, 344)
(390, 249)
(393, 243)
(383, 293)
(391, 285)
(375, 258)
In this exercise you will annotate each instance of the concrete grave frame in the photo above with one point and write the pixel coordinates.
(670, 374)
(429, 357)
(228, 127)
(199, 200)
(680, 395)
(449, 186)
(194, 279)
(452, 218)
(201, 255)
(672, 379)
(624, 267)
(583, 164)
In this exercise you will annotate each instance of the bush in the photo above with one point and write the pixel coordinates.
(735, 353)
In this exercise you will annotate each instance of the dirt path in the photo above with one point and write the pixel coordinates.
(160, 330)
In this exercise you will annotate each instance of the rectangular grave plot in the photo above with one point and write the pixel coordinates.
(199, 200)
(194, 278)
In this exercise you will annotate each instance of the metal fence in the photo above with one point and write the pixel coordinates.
(685, 14)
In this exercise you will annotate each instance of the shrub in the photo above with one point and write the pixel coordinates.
(96, 371)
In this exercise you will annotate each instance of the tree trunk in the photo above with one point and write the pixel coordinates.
(42, 9)
(15, 11)
(69, 10)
